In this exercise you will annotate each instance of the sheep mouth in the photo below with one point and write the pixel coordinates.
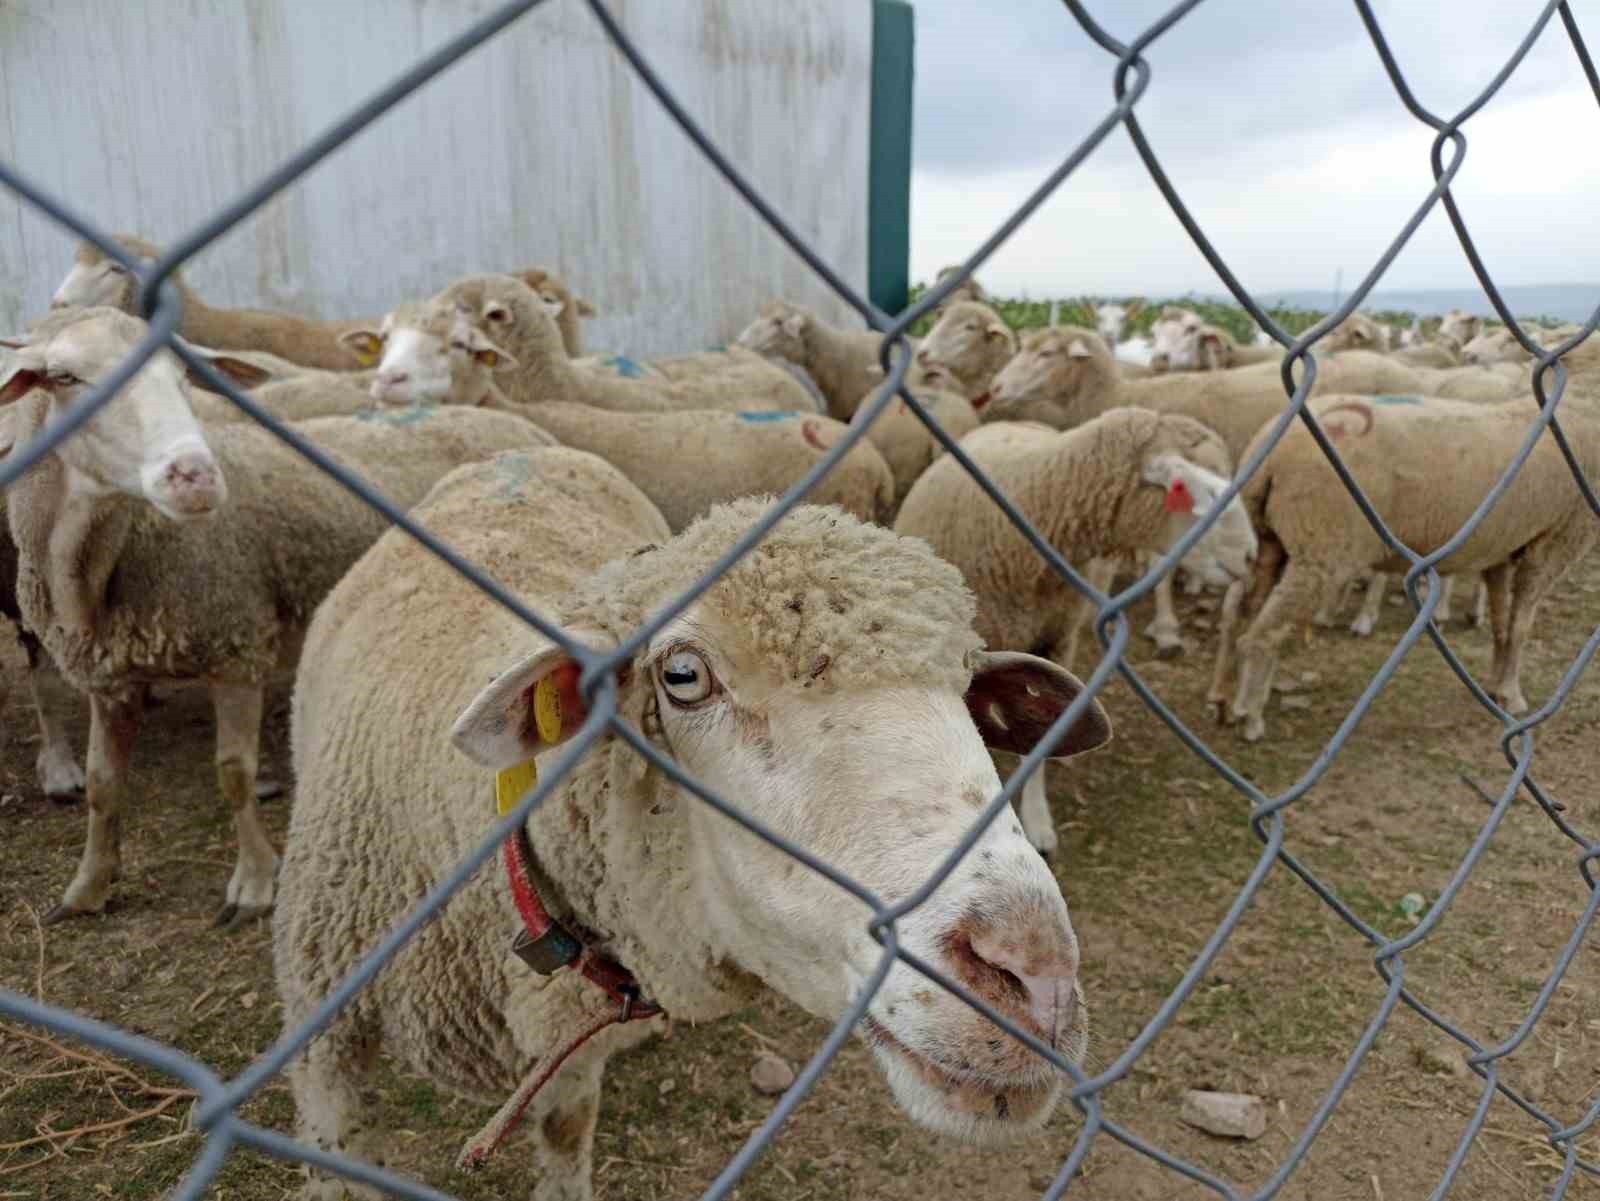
(962, 1102)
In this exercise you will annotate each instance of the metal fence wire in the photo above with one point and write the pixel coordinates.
(216, 1111)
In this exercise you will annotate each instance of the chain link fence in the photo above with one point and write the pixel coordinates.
(216, 1111)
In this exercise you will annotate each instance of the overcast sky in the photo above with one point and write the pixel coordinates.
(1278, 126)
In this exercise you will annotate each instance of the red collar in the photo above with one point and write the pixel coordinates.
(547, 947)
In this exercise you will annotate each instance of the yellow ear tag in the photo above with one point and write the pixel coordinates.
(547, 708)
(488, 358)
(512, 784)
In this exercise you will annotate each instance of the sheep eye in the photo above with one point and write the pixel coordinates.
(686, 678)
(116, 269)
(64, 379)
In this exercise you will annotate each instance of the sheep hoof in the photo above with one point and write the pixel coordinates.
(1254, 729)
(60, 774)
(1168, 650)
(62, 912)
(1361, 628)
(268, 787)
(232, 916)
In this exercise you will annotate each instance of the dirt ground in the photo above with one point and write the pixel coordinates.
(1155, 848)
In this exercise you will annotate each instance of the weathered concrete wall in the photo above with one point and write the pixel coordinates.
(539, 148)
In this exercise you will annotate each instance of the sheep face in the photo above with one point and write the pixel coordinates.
(93, 281)
(779, 332)
(1494, 346)
(1175, 339)
(146, 442)
(1355, 332)
(878, 767)
(1461, 326)
(1049, 379)
(1225, 552)
(1111, 319)
(970, 342)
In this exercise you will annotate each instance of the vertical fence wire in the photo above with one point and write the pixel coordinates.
(1131, 77)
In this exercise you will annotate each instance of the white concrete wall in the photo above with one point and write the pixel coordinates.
(539, 148)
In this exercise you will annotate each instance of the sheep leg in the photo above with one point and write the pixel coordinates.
(238, 708)
(1541, 564)
(1193, 585)
(1497, 583)
(1227, 633)
(1290, 605)
(1479, 616)
(1164, 629)
(1328, 616)
(60, 774)
(113, 724)
(1447, 588)
(330, 1112)
(1371, 605)
(1033, 807)
(1101, 574)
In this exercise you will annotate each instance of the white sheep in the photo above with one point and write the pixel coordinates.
(1460, 326)
(829, 684)
(1110, 320)
(970, 344)
(216, 603)
(844, 364)
(968, 290)
(1125, 482)
(1424, 464)
(685, 461)
(417, 352)
(1181, 340)
(907, 445)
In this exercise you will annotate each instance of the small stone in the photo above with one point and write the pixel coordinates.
(1296, 702)
(771, 1075)
(1444, 1060)
(1200, 623)
(1310, 678)
(248, 1001)
(1285, 685)
(1231, 1115)
(1205, 606)
(667, 1086)
(1040, 1181)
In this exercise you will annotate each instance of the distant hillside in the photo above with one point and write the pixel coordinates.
(1569, 302)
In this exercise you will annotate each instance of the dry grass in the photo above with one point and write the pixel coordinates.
(1155, 848)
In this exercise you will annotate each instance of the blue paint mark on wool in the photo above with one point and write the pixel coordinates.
(625, 367)
(765, 416)
(409, 415)
(1397, 400)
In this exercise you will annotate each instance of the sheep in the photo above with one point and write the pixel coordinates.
(126, 588)
(1314, 536)
(417, 353)
(1064, 376)
(96, 280)
(1110, 320)
(970, 290)
(561, 304)
(1124, 482)
(1460, 326)
(908, 446)
(834, 665)
(843, 364)
(683, 461)
(970, 344)
(1184, 341)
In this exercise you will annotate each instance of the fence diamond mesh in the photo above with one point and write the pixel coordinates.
(216, 1113)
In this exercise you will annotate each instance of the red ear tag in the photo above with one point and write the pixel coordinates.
(1179, 498)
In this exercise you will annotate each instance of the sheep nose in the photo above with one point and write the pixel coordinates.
(191, 484)
(1027, 962)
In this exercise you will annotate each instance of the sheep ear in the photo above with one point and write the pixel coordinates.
(24, 373)
(585, 309)
(528, 709)
(365, 344)
(1014, 699)
(1079, 349)
(499, 313)
(486, 351)
(1134, 307)
(246, 375)
(996, 330)
(794, 324)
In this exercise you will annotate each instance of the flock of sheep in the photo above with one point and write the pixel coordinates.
(845, 682)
